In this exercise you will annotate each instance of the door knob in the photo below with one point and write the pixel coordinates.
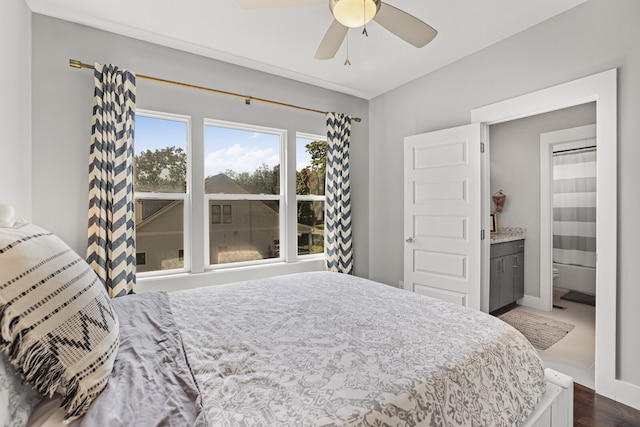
(410, 240)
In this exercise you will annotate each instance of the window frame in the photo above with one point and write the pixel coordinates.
(221, 197)
(196, 248)
(309, 197)
(184, 197)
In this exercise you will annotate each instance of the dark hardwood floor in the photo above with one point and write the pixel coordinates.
(590, 409)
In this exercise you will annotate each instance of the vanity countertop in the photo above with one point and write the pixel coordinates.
(509, 234)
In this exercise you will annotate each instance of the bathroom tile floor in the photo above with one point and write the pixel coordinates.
(574, 354)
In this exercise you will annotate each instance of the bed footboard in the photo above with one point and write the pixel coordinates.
(556, 406)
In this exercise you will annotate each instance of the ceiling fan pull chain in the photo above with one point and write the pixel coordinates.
(364, 18)
(347, 62)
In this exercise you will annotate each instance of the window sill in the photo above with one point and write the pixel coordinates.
(181, 281)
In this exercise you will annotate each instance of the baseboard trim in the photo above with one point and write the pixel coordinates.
(533, 302)
(628, 394)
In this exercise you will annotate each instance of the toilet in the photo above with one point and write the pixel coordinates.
(556, 274)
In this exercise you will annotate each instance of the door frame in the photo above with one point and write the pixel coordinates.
(602, 88)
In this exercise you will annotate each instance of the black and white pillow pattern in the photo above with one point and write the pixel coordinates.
(57, 324)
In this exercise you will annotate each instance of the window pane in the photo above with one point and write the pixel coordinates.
(160, 163)
(241, 162)
(253, 234)
(215, 214)
(311, 160)
(310, 227)
(159, 234)
(141, 258)
(226, 214)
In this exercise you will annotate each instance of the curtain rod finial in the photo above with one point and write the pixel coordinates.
(75, 63)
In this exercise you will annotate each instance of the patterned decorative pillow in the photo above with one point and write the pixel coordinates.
(17, 399)
(57, 324)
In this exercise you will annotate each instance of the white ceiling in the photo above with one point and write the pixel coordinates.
(283, 41)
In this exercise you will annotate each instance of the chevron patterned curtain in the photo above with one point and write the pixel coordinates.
(338, 242)
(111, 251)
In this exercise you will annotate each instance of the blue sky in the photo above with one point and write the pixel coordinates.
(152, 133)
(238, 150)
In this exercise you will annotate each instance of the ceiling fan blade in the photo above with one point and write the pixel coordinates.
(332, 41)
(407, 27)
(272, 4)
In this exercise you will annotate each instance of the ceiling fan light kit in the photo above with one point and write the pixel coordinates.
(354, 13)
(357, 13)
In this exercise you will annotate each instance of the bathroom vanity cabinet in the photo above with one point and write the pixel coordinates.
(506, 283)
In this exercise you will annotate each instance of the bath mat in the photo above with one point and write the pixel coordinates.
(541, 331)
(580, 297)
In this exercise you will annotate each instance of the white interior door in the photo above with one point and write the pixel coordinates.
(442, 214)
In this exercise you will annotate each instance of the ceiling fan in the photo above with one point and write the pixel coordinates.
(356, 13)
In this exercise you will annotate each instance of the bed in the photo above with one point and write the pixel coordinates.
(315, 349)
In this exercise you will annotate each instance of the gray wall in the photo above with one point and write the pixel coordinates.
(62, 103)
(515, 168)
(15, 106)
(593, 37)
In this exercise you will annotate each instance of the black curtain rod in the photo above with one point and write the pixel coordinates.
(575, 149)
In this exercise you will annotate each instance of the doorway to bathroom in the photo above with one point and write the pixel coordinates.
(601, 89)
(568, 233)
(545, 195)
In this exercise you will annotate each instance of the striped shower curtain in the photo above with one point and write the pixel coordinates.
(338, 243)
(574, 207)
(111, 250)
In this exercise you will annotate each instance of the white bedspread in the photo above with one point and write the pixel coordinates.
(319, 349)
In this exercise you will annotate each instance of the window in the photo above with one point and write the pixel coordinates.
(243, 192)
(161, 185)
(311, 160)
(141, 258)
(220, 214)
(248, 215)
(216, 214)
(226, 214)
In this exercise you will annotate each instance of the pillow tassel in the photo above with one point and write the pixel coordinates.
(39, 366)
(77, 400)
(8, 325)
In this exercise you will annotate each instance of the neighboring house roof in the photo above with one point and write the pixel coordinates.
(222, 184)
(307, 229)
(158, 214)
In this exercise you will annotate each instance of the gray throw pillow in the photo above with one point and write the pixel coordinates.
(57, 325)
